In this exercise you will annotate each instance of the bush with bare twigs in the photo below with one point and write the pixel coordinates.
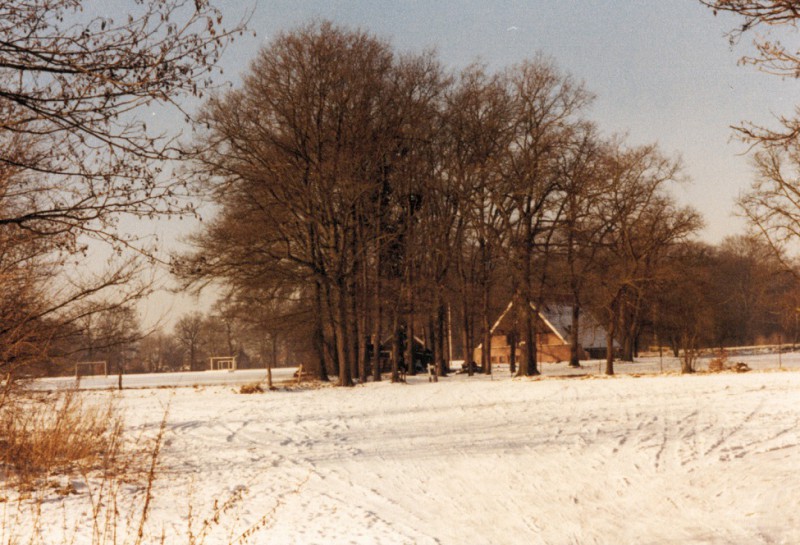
(720, 361)
(254, 388)
(720, 364)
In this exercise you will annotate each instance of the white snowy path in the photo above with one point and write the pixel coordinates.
(712, 459)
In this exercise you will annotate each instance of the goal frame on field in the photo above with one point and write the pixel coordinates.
(94, 367)
(222, 363)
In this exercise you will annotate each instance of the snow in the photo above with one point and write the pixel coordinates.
(163, 380)
(705, 459)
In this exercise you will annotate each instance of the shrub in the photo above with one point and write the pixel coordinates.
(720, 361)
(254, 388)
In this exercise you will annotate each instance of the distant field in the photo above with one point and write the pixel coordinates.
(162, 380)
(652, 364)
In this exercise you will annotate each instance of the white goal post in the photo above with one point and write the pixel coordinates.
(223, 362)
(91, 368)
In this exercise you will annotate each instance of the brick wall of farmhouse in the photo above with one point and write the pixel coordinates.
(550, 349)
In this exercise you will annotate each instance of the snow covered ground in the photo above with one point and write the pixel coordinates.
(644, 365)
(706, 459)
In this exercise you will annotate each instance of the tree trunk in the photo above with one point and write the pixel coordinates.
(441, 366)
(574, 345)
(412, 368)
(533, 351)
(411, 362)
(689, 353)
(351, 330)
(354, 331)
(377, 322)
(333, 343)
(363, 364)
(395, 347)
(630, 326)
(486, 353)
(449, 335)
(273, 361)
(377, 303)
(528, 366)
(627, 342)
(436, 345)
(512, 352)
(361, 295)
(610, 344)
(318, 339)
(530, 318)
(467, 337)
(343, 345)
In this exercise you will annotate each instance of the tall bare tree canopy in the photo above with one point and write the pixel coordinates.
(308, 152)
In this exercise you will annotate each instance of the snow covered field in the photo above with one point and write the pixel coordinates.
(643, 365)
(707, 459)
(163, 380)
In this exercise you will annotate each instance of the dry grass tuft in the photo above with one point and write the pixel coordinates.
(254, 388)
(303, 386)
(67, 448)
(56, 434)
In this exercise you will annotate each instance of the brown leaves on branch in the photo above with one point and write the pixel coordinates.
(772, 205)
(74, 157)
(773, 57)
(757, 12)
(70, 87)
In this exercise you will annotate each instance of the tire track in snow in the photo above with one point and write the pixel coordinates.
(725, 436)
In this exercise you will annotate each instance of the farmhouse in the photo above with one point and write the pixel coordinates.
(422, 354)
(553, 324)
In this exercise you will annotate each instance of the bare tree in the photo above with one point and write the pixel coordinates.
(683, 301)
(772, 56)
(477, 132)
(110, 332)
(771, 205)
(188, 331)
(74, 156)
(546, 105)
(642, 222)
(313, 151)
(308, 137)
(580, 230)
(160, 352)
(71, 85)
